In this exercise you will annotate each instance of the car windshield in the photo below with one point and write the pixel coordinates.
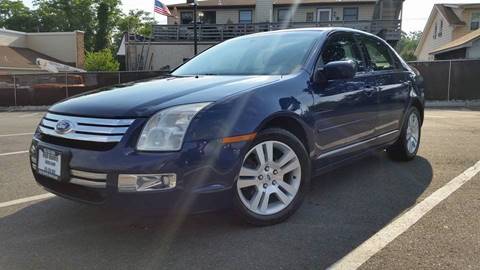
(270, 54)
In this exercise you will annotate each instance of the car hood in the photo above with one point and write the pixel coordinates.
(142, 99)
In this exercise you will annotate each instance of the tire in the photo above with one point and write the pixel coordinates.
(403, 149)
(283, 178)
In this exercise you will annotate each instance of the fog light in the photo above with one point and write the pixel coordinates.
(146, 182)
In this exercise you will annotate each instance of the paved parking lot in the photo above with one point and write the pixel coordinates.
(344, 209)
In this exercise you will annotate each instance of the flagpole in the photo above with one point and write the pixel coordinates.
(195, 27)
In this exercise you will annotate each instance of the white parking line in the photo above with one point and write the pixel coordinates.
(13, 153)
(15, 134)
(377, 242)
(26, 200)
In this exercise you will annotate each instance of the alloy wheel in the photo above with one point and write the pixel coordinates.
(269, 178)
(413, 133)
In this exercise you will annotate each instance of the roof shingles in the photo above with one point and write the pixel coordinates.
(12, 57)
(459, 42)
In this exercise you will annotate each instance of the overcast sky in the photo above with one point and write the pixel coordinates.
(415, 12)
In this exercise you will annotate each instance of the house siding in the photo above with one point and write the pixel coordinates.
(65, 46)
(263, 10)
(49, 44)
(430, 44)
(13, 38)
(474, 51)
(228, 16)
(223, 16)
(365, 12)
(465, 16)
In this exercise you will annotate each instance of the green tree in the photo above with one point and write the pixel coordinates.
(101, 61)
(14, 15)
(136, 21)
(97, 18)
(108, 15)
(408, 44)
(102, 35)
(68, 15)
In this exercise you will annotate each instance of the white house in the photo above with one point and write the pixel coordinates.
(452, 32)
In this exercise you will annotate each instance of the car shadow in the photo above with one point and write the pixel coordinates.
(344, 208)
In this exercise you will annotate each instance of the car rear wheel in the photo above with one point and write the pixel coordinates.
(409, 141)
(271, 183)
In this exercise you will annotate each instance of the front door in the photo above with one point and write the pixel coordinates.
(324, 15)
(392, 81)
(344, 111)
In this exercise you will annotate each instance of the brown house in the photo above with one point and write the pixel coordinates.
(219, 20)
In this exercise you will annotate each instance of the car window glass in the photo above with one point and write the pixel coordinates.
(379, 55)
(269, 54)
(342, 48)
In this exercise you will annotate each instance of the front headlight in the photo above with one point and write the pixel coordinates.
(165, 130)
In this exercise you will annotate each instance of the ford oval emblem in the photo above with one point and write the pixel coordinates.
(63, 127)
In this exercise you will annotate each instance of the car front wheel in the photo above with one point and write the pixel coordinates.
(273, 178)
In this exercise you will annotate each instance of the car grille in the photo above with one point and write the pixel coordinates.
(98, 130)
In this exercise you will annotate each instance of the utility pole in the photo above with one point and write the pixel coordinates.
(195, 4)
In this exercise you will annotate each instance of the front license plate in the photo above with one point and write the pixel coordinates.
(50, 163)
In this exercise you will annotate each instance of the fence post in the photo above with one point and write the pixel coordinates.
(449, 79)
(15, 90)
(119, 78)
(66, 84)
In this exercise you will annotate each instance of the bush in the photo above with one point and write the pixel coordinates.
(101, 61)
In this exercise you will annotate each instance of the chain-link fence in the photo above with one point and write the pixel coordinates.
(46, 89)
(444, 80)
(451, 79)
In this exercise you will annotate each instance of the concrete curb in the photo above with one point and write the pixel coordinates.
(24, 109)
(453, 103)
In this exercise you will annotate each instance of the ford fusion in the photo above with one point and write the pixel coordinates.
(243, 125)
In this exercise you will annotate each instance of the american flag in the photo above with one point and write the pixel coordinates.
(161, 8)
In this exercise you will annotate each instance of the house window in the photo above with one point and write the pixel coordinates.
(324, 14)
(440, 31)
(186, 17)
(245, 16)
(475, 24)
(283, 15)
(350, 14)
(207, 17)
(435, 31)
(309, 17)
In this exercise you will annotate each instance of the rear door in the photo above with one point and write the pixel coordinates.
(344, 110)
(392, 82)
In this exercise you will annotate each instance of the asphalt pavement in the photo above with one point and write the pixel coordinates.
(344, 209)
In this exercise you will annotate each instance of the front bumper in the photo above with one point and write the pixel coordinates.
(205, 173)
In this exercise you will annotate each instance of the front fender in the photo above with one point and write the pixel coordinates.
(249, 111)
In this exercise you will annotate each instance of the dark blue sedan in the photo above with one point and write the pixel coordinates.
(246, 123)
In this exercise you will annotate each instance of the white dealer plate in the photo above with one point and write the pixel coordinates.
(49, 163)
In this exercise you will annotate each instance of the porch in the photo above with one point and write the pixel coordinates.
(389, 30)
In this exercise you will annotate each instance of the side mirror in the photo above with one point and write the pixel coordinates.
(337, 70)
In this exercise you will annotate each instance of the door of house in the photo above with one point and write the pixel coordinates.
(324, 15)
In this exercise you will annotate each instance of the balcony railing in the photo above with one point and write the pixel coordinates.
(387, 29)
